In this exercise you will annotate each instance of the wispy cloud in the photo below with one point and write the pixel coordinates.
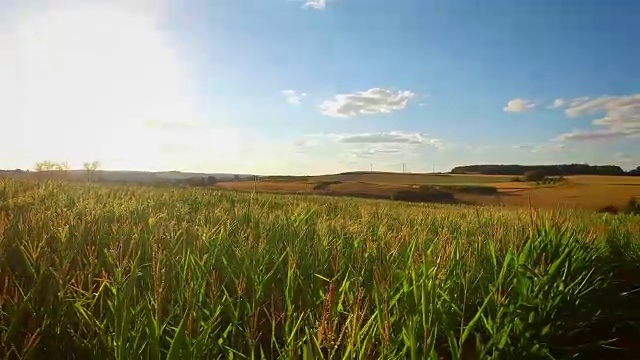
(316, 4)
(577, 101)
(372, 101)
(622, 158)
(393, 137)
(621, 117)
(581, 135)
(293, 97)
(390, 137)
(620, 105)
(557, 103)
(368, 153)
(523, 147)
(519, 105)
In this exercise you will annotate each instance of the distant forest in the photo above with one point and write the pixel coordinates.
(549, 170)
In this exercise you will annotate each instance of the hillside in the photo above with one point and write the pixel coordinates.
(124, 175)
(590, 192)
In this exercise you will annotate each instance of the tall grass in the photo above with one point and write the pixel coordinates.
(114, 272)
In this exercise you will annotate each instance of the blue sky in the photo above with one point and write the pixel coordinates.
(285, 86)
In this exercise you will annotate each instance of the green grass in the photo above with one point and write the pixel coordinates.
(90, 271)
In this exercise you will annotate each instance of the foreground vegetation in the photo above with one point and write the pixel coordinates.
(114, 272)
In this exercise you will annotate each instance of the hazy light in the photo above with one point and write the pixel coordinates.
(86, 82)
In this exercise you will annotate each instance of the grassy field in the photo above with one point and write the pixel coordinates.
(584, 192)
(114, 272)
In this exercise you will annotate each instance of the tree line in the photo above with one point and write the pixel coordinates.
(91, 168)
(547, 170)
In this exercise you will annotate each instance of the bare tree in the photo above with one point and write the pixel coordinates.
(92, 170)
(39, 166)
(43, 166)
(61, 168)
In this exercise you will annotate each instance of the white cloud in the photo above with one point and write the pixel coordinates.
(557, 103)
(393, 137)
(627, 106)
(316, 4)
(579, 108)
(581, 135)
(621, 117)
(622, 158)
(367, 153)
(549, 147)
(372, 101)
(293, 97)
(578, 101)
(358, 149)
(389, 137)
(546, 147)
(522, 147)
(519, 105)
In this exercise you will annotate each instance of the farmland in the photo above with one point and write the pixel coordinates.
(127, 272)
(590, 192)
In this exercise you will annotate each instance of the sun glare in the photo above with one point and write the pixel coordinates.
(87, 81)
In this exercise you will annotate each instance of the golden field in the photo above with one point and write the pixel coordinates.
(590, 192)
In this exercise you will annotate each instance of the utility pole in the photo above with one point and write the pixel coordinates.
(371, 168)
(404, 168)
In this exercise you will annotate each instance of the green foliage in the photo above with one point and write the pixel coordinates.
(92, 170)
(115, 272)
(550, 170)
(472, 189)
(632, 207)
(324, 185)
(534, 175)
(201, 181)
(211, 180)
(424, 193)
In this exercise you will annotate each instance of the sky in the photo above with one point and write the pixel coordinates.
(318, 86)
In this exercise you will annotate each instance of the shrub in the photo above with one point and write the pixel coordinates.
(195, 181)
(632, 207)
(534, 175)
(473, 189)
(609, 210)
(324, 185)
(424, 193)
(211, 180)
